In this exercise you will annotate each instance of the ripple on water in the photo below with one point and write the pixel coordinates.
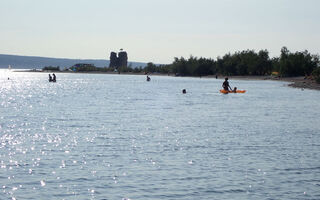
(116, 137)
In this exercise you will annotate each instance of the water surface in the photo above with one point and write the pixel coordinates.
(96, 136)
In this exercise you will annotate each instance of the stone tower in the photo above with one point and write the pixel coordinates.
(118, 61)
(113, 60)
(123, 59)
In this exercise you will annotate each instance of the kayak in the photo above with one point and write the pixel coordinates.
(237, 91)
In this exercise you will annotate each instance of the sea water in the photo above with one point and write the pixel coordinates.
(98, 136)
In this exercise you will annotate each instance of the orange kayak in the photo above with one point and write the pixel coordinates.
(226, 92)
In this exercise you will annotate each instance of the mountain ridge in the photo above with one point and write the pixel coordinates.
(38, 62)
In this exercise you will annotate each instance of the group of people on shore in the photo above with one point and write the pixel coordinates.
(52, 78)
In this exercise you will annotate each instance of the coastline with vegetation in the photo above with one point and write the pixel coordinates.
(300, 68)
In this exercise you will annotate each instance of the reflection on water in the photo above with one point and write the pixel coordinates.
(120, 137)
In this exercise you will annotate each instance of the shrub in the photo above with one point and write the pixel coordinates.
(51, 68)
(316, 74)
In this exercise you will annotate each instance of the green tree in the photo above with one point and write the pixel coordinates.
(316, 74)
(297, 64)
(150, 68)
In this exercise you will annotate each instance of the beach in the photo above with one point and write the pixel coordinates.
(296, 82)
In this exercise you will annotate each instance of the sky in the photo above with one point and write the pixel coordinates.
(157, 30)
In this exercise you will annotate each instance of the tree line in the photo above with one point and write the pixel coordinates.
(246, 62)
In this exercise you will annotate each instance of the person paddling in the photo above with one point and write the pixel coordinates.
(226, 85)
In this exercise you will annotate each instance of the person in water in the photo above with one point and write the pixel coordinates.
(50, 78)
(234, 89)
(54, 77)
(148, 78)
(184, 91)
(226, 85)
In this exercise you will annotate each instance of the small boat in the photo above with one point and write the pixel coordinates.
(230, 91)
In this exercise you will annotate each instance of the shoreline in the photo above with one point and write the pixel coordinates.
(295, 82)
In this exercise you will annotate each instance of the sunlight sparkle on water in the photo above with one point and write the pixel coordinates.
(98, 136)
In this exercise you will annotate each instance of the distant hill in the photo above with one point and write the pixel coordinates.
(35, 62)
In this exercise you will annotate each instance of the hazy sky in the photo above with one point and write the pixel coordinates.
(157, 30)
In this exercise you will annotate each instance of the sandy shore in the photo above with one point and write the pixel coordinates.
(300, 82)
(296, 82)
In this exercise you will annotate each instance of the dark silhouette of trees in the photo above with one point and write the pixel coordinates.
(316, 74)
(246, 62)
(150, 68)
(296, 64)
(240, 63)
(51, 68)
